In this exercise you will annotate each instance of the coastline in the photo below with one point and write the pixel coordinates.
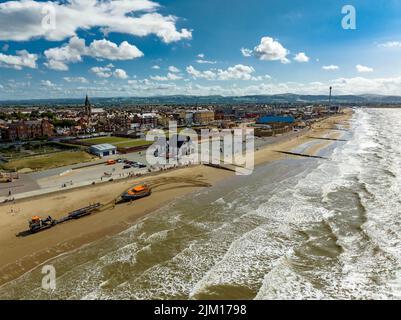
(20, 255)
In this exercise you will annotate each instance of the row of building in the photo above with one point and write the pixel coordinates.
(130, 121)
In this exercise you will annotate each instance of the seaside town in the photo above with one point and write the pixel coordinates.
(202, 151)
(88, 121)
(41, 146)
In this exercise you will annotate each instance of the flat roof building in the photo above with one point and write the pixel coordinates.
(275, 119)
(103, 150)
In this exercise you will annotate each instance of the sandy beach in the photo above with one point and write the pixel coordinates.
(21, 254)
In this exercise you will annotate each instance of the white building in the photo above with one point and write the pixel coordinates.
(103, 150)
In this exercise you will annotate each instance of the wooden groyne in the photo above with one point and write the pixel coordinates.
(329, 139)
(219, 166)
(334, 129)
(300, 154)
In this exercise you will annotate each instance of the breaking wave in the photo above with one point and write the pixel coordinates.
(296, 229)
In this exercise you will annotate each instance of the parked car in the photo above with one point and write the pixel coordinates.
(127, 166)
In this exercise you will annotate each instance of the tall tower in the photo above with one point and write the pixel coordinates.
(331, 88)
(88, 107)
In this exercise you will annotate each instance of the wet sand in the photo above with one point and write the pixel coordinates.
(21, 254)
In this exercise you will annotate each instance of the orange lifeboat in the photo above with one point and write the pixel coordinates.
(137, 192)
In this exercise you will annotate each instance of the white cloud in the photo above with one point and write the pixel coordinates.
(363, 69)
(109, 50)
(331, 67)
(22, 20)
(22, 59)
(170, 77)
(102, 72)
(356, 85)
(56, 65)
(72, 52)
(120, 74)
(269, 50)
(261, 78)
(208, 75)
(76, 79)
(47, 83)
(173, 69)
(301, 57)
(201, 61)
(107, 72)
(156, 67)
(246, 52)
(237, 72)
(147, 87)
(391, 44)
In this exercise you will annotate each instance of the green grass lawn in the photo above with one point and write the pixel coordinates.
(48, 161)
(101, 140)
(133, 143)
(118, 142)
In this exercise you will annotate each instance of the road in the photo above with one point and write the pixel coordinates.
(72, 175)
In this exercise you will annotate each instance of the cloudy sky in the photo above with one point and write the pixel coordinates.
(54, 49)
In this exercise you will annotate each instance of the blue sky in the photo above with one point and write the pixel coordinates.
(146, 48)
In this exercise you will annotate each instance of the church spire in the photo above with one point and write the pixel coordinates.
(88, 108)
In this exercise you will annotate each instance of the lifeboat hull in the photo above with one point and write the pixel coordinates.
(130, 197)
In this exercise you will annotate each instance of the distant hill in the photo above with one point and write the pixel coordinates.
(216, 99)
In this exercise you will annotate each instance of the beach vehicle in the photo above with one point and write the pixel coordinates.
(136, 192)
(111, 162)
(141, 165)
(134, 164)
(38, 224)
(83, 212)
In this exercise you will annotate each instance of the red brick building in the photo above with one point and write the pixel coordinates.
(26, 130)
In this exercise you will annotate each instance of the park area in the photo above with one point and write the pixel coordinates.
(47, 161)
(36, 155)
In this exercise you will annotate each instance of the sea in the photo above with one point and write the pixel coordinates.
(295, 229)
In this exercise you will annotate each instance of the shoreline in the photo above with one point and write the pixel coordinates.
(21, 255)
